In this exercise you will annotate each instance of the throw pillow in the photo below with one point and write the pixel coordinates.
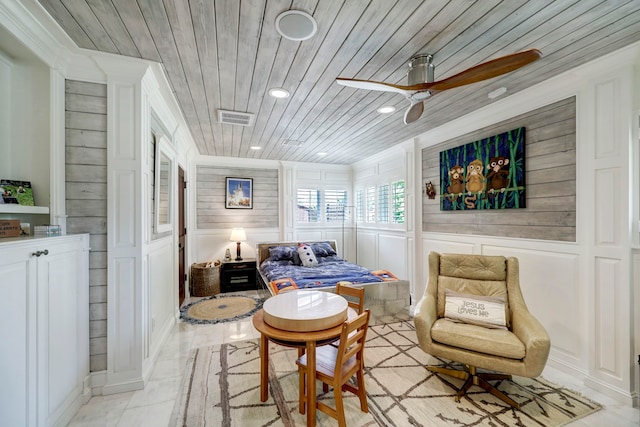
(306, 256)
(475, 309)
(322, 249)
(285, 253)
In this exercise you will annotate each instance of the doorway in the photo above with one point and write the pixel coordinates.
(182, 237)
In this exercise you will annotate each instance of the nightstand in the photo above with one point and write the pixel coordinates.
(238, 275)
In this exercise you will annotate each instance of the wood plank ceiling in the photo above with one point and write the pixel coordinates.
(226, 54)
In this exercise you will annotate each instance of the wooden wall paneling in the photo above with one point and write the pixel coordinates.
(210, 198)
(86, 197)
(550, 180)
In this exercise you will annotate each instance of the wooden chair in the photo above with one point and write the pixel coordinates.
(355, 296)
(335, 366)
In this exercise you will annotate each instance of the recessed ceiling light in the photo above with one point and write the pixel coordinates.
(322, 154)
(296, 25)
(278, 92)
(386, 109)
(255, 147)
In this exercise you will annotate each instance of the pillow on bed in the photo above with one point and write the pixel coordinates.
(306, 256)
(322, 249)
(284, 253)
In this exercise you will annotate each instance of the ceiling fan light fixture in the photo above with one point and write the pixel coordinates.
(296, 25)
(387, 109)
(255, 147)
(278, 92)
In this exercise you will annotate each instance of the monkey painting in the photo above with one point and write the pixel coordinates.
(475, 182)
(456, 186)
(498, 173)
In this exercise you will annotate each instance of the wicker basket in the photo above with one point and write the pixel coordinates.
(205, 279)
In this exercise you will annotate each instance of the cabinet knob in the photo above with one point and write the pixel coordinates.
(38, 253)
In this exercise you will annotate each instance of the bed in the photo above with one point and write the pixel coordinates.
(280, 269)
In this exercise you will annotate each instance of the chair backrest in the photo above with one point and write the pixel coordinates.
(355, 296)
(352, 340)
(481, 275)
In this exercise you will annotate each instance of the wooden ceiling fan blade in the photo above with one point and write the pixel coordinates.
(413, 113)
(488, 70)
(371, 85)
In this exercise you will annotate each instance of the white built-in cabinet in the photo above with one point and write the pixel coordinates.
(44, 329)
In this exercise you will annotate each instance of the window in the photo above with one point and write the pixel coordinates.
(360, 206)
(397, 202)
(308, 203)
(316, 205)
(371, 204)
(335, 202)
(383, 204)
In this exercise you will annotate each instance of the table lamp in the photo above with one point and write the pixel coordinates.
(238, 236)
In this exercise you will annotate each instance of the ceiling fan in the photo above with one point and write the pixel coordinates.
(421, 78)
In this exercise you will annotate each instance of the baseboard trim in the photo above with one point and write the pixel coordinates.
(619, 395)
(131, 385)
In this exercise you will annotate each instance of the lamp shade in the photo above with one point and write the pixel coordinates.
(237, 235)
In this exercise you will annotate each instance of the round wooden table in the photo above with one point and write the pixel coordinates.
(302, 340)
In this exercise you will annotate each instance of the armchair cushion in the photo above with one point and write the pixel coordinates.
(495, 342)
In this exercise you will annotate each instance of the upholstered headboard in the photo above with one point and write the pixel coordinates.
(262, 249)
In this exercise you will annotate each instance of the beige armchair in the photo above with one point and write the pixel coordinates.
(519, 348)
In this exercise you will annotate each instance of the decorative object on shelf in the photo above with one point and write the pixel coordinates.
(220, 308)
(239, 193)
(485, 174)
(47, 230)
(9, 227)
(238, 236)
(431, 191)
(16, 192)
(227, 255)
(25, 229)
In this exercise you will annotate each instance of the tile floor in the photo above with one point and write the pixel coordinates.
(153, 406)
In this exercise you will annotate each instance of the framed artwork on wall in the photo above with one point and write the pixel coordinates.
(239, 193)
(484, 174)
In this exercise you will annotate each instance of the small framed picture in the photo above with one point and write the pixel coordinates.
(239, 193)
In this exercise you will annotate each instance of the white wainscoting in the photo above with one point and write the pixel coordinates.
(392, 254)
(162, 295)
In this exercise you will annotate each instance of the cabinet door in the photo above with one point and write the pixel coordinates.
(17, 326)
(60, 328)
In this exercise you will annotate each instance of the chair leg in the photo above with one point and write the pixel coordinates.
(463, 390)
(302, 386)
(497, 393)
(472, 377)
(362, 393)
(337, 392)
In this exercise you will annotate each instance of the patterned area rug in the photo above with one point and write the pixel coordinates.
(221, 387)
(220, 308)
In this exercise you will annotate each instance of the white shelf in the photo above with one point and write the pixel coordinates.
(20, 209)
